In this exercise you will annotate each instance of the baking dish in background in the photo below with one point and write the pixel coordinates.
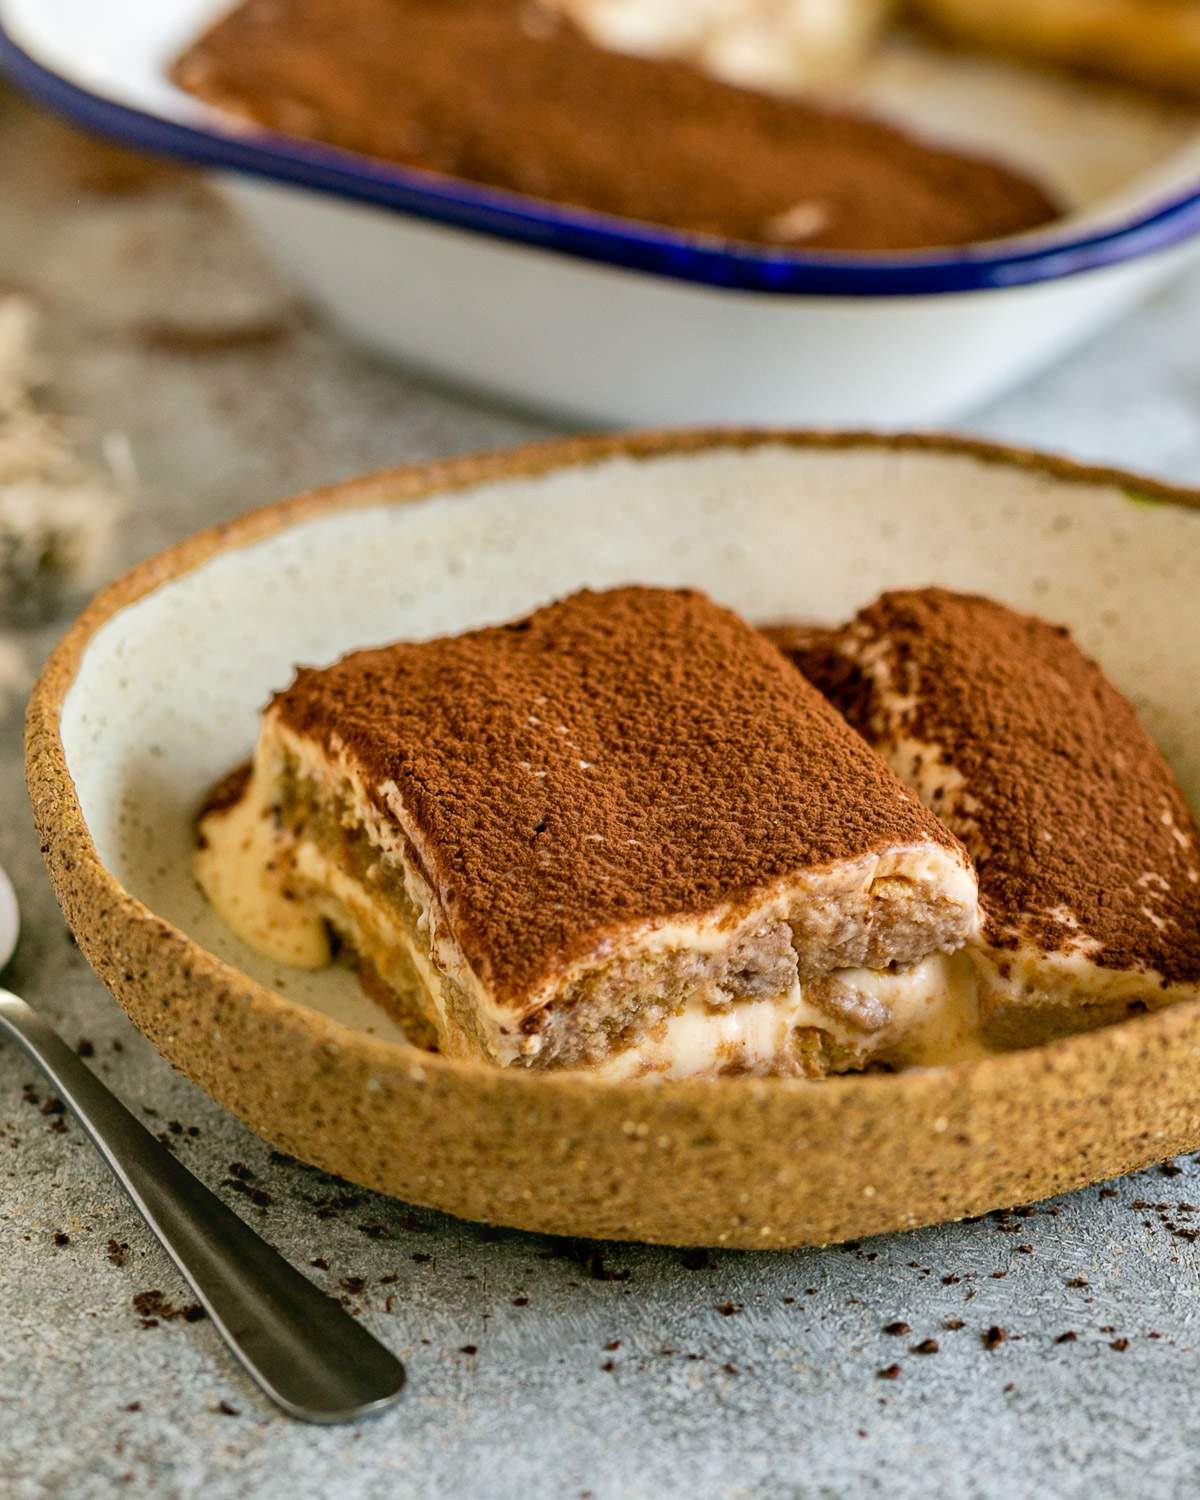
(619, 322)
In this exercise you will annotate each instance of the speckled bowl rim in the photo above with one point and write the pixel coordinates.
(97, 905)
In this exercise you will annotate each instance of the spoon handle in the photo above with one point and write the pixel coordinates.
(305, 1351)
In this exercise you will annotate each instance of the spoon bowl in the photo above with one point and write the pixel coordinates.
(10, 920)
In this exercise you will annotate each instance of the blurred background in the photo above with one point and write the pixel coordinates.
(176, 347)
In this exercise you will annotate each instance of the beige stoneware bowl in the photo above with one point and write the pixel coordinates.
(155, 693)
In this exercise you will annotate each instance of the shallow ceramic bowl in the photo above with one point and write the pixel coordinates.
(155, 693)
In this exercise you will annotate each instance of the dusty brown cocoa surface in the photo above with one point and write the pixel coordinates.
(504, 93)
(1070, 806)
(615, 757)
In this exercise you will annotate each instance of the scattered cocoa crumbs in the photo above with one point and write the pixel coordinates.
(241, 1180)
(926, 1346)
(1068, 1337)
(953, 1324)
(729, 1368)
(53, 1106)
(729, 1309)
(897, 1328)
(999, 1275)
(116, 1252)
(993, 1337)
(1107, 1192)
(891, 1372)
(469, 1349)
(1120, 1345)
(520, 1301)
(153, 1308)
(133, 1406)
(696, 1260)
(1077, 1281)
(373, 1231)
(1169, 1169)
(612, 1345)
(198, 340)
(591, 1257)
(85, 1048)
(389, 1303)
(1024, 1249)
(61, 1237)
(389, 1280)
(421, 1258)
(223, 1409)
(353, 1284)
(1009, 1388)
(320, 1262)
(608, 1366)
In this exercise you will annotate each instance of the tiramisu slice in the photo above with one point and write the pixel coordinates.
(621, 834)
(1086, 849)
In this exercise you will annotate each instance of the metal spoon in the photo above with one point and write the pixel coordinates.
(305, 1351)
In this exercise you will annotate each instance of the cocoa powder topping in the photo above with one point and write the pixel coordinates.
(1077, 826)
(615, 758)
(504, 93)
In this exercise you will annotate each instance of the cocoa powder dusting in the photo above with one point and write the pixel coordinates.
(1077, 826)
(614, 758)
(504, 93)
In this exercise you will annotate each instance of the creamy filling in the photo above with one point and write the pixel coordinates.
(242, 868)
(1027, 995)
(920, 1016)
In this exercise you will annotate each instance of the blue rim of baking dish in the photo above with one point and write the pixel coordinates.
(596, 238)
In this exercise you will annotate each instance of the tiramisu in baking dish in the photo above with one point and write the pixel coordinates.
(512, 95)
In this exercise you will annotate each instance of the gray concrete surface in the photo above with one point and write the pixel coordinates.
(536, 1368)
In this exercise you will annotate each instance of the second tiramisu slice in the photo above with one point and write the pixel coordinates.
(1087, 851)
(620, 834)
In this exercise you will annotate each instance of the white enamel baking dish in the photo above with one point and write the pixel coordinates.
(614, 322)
